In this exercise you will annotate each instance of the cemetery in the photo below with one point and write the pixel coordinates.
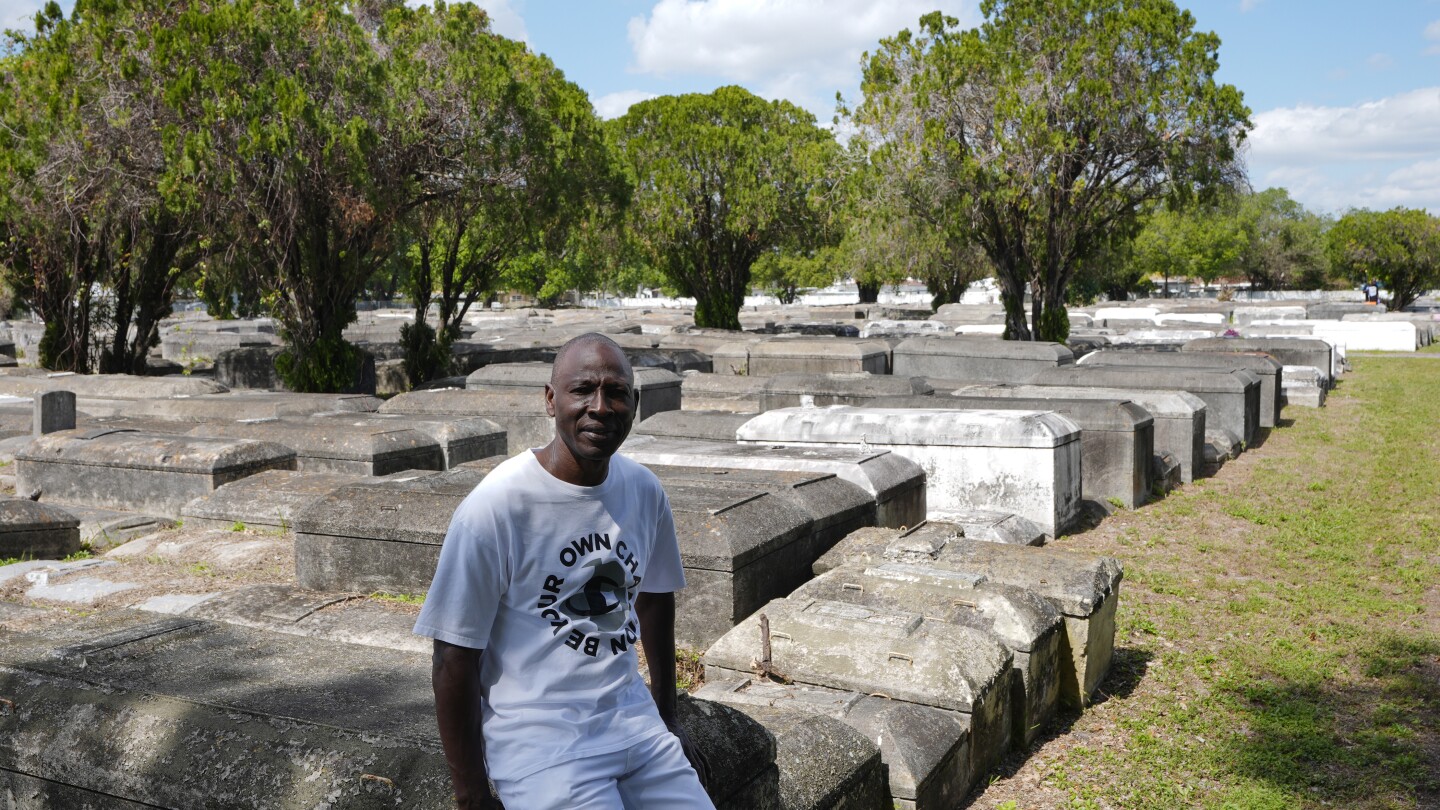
(1022, 449)
(878, 587)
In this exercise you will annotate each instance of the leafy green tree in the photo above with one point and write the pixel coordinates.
(517, 160)
(1048, 130)
(1285, 244)
(289, 139)
(1200, 242)
(1399, 248)
(91, 237)
(721, 180)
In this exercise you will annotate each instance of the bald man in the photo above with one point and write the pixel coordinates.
(553, 568)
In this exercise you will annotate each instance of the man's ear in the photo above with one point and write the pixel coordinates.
(549, 400)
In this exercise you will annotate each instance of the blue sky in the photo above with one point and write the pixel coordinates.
(1345, 97)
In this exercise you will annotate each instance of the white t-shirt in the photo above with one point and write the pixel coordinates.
(542, 575)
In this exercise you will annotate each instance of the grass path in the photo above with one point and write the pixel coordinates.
(1279, 637)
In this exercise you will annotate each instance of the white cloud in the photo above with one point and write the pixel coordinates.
(1378, 154)
(1380, 61)
(1432, 34)
(1247, 6)
(1401, 127)
(614, 105)
(20, 14)
(802, 50)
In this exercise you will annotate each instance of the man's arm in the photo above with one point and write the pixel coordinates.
(455, 676)
(656, 612)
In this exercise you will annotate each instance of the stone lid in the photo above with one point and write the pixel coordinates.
(961, 346)
(702, 425)
(910, 426)
(501, 376)
(25, 515)
(1194, 380)
(1018, 617)
(881, 473)
(441, 427)
(250, 405)
(466, 402)
(1159, 403)
(152, 451)
(729, 385)
(895, 653)
(381, 511)
(112, 386)
(1090, 414)
(822, 496)
(327, 438)
(271, 498)
(824, 347)
(725, 528)
(848, 384)
(1254, 362)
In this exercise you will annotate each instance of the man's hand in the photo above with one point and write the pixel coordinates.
(455, 676)
(656, 612)
(692, 753)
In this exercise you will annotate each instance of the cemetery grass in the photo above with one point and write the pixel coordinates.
(1278, 641)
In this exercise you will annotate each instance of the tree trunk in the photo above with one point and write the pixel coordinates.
(869, 291)
(1012, 297)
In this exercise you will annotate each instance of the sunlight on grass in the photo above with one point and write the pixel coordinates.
(1283, 613)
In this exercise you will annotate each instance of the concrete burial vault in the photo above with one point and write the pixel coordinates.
(124, 709)
(1025, 462)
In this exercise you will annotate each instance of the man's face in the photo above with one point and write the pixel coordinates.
(592, 397)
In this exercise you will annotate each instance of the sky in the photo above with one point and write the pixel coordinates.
(1344, 97)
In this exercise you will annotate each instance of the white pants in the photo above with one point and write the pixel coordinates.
(653, 774)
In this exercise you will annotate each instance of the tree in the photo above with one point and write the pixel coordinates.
(1399, 248)
(722, 179)
(90, 235)
(1285, 244)
(1048, 130)
(517, 159)
(1200, 242)
(289, 140)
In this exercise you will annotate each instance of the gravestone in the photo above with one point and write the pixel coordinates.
(978, 359)
(521, 415)
(808, 355)
(1117, 439)
(332, 445)
(926, 751)
(248, 405)
(899, 654)
(54, 411)
(1026, 462)
(722, 392)
(794, 390)
(1179, 416)
(896, 483)
(1303, 386)
(1025, 623)
(460, 439)
(269, 499)
(1263, 366)
(710, 426)
(127, 709)
(1232, 398)
(1085, 589)
(37, 531)
(141, 472)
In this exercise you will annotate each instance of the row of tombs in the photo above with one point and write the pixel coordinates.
(868, 578)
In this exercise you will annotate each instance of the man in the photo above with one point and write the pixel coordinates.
(552, 569)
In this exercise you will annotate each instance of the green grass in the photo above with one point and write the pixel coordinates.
(1278, 641)
(399, 598)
